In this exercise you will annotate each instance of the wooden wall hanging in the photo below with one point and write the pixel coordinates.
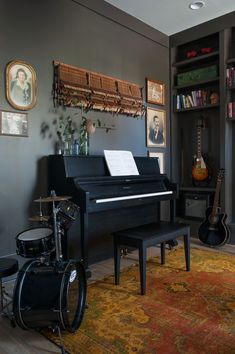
(76, 87)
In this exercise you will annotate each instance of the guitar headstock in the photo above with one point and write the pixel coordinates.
(221, 174)
(201, 122)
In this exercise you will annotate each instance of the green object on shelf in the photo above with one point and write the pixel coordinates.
(209, 72)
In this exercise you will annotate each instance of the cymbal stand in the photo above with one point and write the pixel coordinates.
(57, 233)
(40, 208)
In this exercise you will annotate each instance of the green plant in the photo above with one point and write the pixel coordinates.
(66, 127)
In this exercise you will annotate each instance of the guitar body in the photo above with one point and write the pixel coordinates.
(200, 171)
(213, 231)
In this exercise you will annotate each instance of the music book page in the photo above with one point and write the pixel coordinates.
(120, 163)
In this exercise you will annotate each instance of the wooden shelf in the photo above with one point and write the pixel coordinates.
(196, 60)
(197, 189)
(208, 106)
(196, 83)
(231, 61)
(231, 87)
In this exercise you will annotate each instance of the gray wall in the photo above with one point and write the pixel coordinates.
(39, 32)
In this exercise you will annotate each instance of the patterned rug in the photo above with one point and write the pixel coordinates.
(182, 312)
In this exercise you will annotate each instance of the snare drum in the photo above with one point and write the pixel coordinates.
(35, 242)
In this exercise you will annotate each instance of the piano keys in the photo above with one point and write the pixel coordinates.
(107, 204)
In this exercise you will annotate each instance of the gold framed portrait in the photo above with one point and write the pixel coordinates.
(155, 92)
(155, 127)
(21, 85)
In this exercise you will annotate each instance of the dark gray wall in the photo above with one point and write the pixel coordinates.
(39, 32)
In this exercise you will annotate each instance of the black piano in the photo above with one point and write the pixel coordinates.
(107, 203)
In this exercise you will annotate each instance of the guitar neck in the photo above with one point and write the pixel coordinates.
(216, 198)
(199, 142)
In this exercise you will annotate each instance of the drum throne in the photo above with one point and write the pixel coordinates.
(8, 267)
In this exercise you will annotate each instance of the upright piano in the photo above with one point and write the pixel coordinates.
(107, 204)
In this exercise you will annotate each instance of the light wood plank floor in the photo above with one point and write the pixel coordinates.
(18, 341)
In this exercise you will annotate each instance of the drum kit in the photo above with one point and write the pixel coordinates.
(49, 291)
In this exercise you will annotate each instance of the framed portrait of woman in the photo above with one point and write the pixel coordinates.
(155, 127)
(21, 85)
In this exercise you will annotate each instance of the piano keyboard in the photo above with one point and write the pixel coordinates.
(114, 199)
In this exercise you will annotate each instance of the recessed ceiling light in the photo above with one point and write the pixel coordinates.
(196, 5)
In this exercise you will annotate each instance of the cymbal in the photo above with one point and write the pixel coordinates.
(56, 198)
(39, 218)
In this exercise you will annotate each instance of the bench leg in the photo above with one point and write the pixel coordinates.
(187, 251)
(142, 264)
(163, 253)
(117, 256)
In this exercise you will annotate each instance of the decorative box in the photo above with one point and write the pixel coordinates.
(209, 72)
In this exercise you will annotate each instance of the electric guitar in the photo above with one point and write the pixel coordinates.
(200, 171)
(213, 230)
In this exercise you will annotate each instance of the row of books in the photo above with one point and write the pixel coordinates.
(231, 109)
(194, 99)
(230, 73)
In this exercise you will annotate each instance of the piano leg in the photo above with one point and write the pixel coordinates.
(84, 240)
(117, 256)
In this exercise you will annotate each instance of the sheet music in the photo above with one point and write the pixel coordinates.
(120, 163)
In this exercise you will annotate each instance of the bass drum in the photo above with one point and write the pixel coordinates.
(47, 295)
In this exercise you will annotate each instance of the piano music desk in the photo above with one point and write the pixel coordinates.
(148, 235)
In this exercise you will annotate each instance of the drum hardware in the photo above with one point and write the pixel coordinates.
(52, 199)
(40, 218)
(57, 328)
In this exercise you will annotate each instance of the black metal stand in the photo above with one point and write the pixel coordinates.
(57, 328)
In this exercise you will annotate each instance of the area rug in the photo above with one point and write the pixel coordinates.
(182, 312)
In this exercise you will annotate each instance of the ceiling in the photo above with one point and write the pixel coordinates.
(172, 16)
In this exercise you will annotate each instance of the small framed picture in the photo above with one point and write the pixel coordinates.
(20, 85)
(155, 127)
(155, 92)
(160, 157)
(13, 123)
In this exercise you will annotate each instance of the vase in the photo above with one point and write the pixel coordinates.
(84, 145)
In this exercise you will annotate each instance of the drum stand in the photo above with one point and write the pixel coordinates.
(57, 233)
(57, 328)
(59, 258)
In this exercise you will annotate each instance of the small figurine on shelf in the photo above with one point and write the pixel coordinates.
(214, 98)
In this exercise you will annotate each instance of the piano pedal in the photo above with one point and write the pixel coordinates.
(124, 252)
(172, 244)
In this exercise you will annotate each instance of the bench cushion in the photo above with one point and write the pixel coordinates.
(152, 233)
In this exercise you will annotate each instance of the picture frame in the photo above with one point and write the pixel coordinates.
(14, 123)
(21, 85)
(155, 127)
(161, 159)
(155, 92)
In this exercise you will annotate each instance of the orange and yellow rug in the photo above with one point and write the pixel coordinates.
(182, 312)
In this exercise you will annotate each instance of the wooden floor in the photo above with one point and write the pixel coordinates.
(18, 341)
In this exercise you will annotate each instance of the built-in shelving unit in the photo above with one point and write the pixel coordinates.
(217, 130)
(194, 102)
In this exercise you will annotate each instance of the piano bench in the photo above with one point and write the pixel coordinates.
(145, 236)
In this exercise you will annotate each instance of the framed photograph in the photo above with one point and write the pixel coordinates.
(160, 156)
(155, 92)
(13, 123)
(155, 127)
(20, 85)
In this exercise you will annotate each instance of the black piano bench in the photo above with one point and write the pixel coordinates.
(145, 236)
